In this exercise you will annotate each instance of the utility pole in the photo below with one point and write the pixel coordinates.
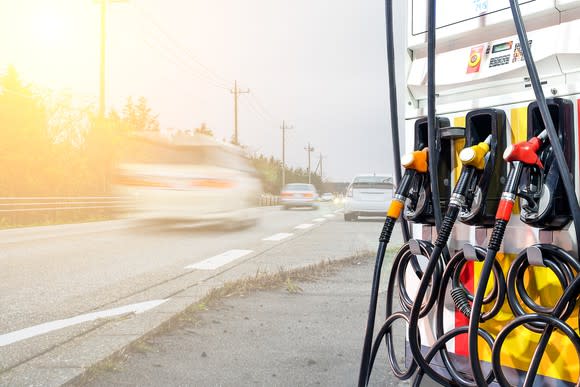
(284, 129)
(320, 162)
(309, 149)
(236, 92)
(102, 65)
(103, 50)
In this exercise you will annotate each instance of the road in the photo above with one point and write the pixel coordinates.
(69, 292)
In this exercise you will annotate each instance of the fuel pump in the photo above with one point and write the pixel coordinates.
(482, 197)
(543, 198)
(416, 167)
(419, 204)
(475, 159)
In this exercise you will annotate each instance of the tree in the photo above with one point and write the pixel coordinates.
(203, 129)
(138, 117)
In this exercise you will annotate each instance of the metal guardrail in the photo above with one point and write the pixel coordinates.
(68, 203)
(269, 200)
(58, 203)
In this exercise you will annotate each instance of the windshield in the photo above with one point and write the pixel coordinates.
(299, 187)
(378, 182)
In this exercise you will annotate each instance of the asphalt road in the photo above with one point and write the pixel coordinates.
(74, 294)
(269, 338)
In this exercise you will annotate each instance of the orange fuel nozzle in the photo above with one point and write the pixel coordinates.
(475, 155)
(417, 160)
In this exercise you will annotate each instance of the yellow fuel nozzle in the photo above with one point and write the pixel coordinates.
(475, 155)
(417, 160)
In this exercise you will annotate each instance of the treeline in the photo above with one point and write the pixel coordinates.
(270, 171)
(51, 147)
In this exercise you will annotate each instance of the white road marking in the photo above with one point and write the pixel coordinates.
(338, 211)
(318, 220)
(26, 333)
(278, 237)
(329, 216)
(304, 226)
(219, 260)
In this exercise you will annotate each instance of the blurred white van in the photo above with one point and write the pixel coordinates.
(184, 177)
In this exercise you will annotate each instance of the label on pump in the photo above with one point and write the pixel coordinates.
(474, 59)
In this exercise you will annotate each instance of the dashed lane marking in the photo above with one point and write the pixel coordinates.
(37, 330)
(318, 220)
(304, 226)
(329, 216)
(278, 237)
(219, 260)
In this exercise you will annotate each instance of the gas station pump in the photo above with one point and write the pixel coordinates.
(544, 203)
(419, 206)
(516, 286)
(484, 196)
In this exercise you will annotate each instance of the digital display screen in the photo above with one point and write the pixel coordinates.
(501, 47)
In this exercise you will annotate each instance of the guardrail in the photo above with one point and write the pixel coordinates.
(68, 203)
(269, 200)
(58, 203)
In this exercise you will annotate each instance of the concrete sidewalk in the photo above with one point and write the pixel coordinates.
(269, 338)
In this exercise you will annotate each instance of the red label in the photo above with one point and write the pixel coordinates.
(474, 60)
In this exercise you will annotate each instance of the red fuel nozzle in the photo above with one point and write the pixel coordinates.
(525, 151)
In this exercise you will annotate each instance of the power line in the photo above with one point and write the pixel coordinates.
(180, 47)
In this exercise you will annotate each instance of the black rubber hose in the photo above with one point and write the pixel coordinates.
(440, 346)
(492, 249)
(400, 263)
(561, 263)
(413, 332)
(384, 240)
(550, 321)
(547, 118)
(432, 139)
(393, 105)
(559, 313)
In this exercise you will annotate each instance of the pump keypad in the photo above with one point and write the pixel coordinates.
(499, 60)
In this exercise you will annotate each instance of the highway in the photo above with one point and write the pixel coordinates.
(73, 294)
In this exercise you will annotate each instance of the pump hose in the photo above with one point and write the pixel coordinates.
(453, 269)
(383, 242)
(404, 256)
(550, 321)
(475, 318)
(547, 118)
(413, 332)
(393, 106)
(561, 263)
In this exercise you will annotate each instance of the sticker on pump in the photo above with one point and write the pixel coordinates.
(474, 59)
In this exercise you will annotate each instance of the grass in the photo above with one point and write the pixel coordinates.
(261, 281)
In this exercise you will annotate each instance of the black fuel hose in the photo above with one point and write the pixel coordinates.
(547, 118)
(551, 322)
(404, 256)
(564, 266)
(453, 270)
(393, 104)
(384, 239)
(566, 269)
(440, 243)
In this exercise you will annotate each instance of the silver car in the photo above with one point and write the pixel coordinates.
(299, 195)
(368, 195)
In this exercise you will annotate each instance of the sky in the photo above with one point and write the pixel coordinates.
(320, 65)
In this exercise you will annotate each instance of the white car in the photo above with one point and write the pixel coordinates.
(299, 195)
(327, 197)
(368, 195)
(191, 178)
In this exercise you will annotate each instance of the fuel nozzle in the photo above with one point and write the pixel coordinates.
(417, 160)
(526, 151)
(475, 155)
